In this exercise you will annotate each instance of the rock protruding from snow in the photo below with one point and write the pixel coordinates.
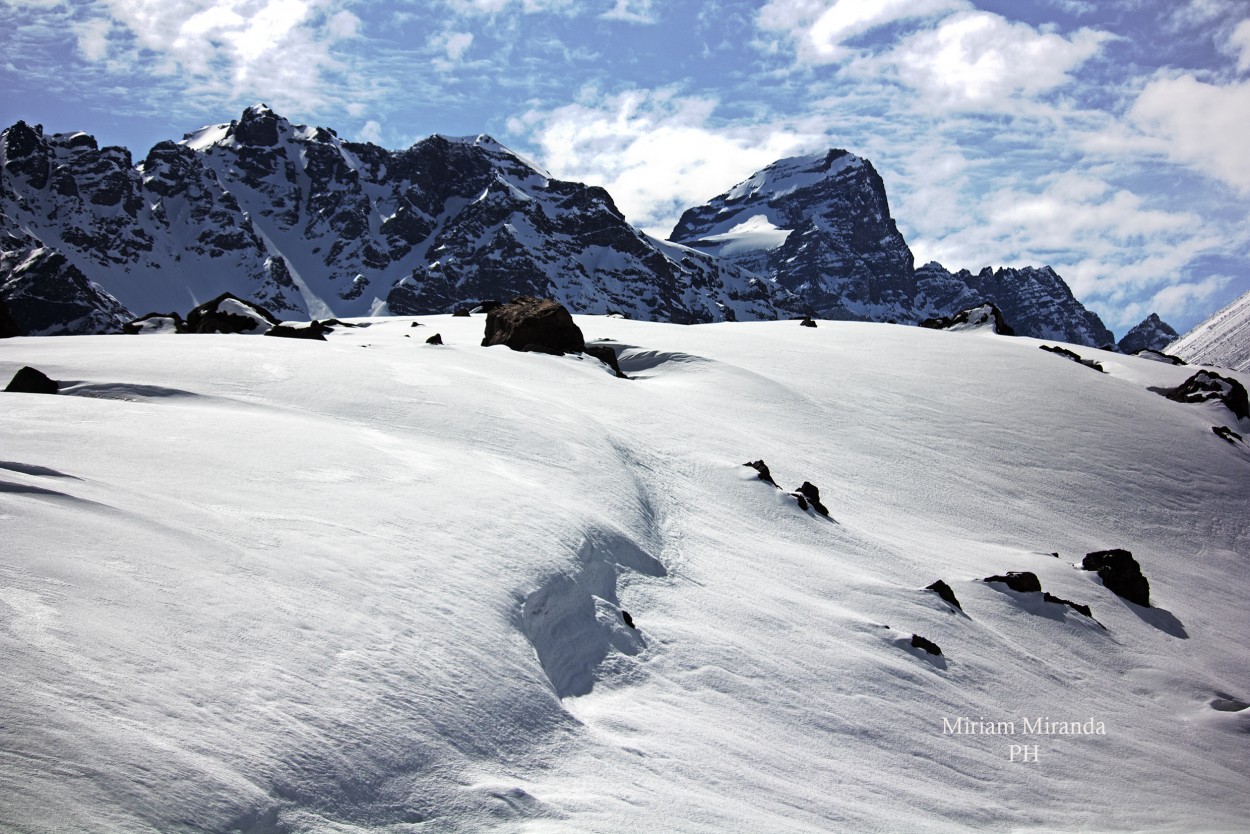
(436, 339)
(315, 331)
(945, 592)
(1225, 433)
(1120, 573)
(1022, 581)
(227, 313)
(30, 380)
(981, 317)
(807, 322)
(533, 324)
(607, 355)
(808, 493)
(1208, 386)
(929, 646)
(1152, 334)
(1223, 339)
(762, 468)
(155, 324)
(1074, 356)
(1160, 356)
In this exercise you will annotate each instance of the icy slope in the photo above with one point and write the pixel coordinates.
(1223, 339)
(375, 585)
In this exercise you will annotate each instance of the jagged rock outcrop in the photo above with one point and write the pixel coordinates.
(1152, 334)
(227, 313)
(981, 317)
(1208, 386)
(1120, 573)
(1021, 581)
(310, 226)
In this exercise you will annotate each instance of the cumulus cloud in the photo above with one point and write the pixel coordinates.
(273, 49)
(979, 61)
(819, 28)
(631, 11)
(656, 152)
(1199, 124)
(452, 46)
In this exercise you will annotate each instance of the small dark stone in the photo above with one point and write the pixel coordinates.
(802, 501)
(762, 468)
(30, 381)
(532, 324)
(944, 591)
(929, 646)
(807, 322)
(336, 323)
(416, 324)
(1067, 354)
(1075, 606)
(1020, 581)
(462, 313)
(1225, 433)
(812, 494)
(1120, 573)
(629, 621)
(436, 339)
(607, 356)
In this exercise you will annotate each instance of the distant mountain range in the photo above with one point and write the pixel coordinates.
(311, 226)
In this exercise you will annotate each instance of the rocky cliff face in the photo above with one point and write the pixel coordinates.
(1152, 334)
(308, 225)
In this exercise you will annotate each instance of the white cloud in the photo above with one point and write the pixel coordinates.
(371, 132)
(979, 61)
(631, 11)
(1199, 124)
(657, 153)
(452, 45)
(1239, 42)
(819, 28)
(278, 50)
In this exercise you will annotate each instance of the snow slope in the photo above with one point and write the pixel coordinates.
(270, 585)
(1223, 339)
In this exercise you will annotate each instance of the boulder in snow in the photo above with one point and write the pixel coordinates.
(436, 339)
(155, 323)
(31, 381)
(315, 330)
(1075, 606)
(762, 468)
(227, 313)
(607, 356)
(1075, 357)
(929, 646)
(810, 494)
(1225, 433)
(534, 324)
(1207, 386)
(1120, 573)
(807, 322)
(1021, 581)
(984, 316)
(1160, 356)
(944, 591)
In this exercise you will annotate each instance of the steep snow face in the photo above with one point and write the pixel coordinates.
(1223, 339)
(1152, 334)
(370, 584)
(832, 242)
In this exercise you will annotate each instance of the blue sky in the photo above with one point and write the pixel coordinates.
(1106, 138)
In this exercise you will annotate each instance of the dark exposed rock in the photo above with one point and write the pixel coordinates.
(807, 322)
(629, 621)
(155, 323)
(436, 339)
(1022, 581)
(8, 327)
(416, 324)
(1160, 356)
(1152, 334)
(1225, 433)
(1208, 386)
(1075, 606)
(944, 591)
(607, 356)
(316, 331)
(461, 313)
(332, 323)
(929, 646)
(227, 313)
(1120, 573)
(31, 381)
(532, 324)
(982, 315)
(762, 468)
(1075, 357)
(812, 494)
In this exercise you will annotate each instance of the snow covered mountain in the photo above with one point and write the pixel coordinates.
(1223, 339)
(1152, 334)
(308, 225)
(370, 584)
(820, 227)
